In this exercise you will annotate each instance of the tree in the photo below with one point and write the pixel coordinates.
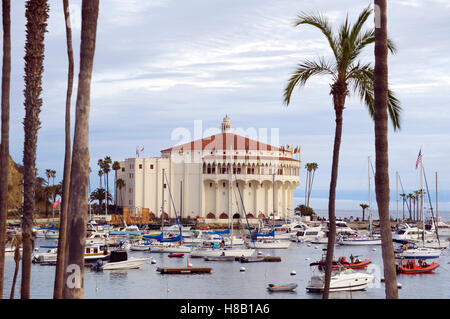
(106, 166)
(363, 206)
(381, 96)
(346, 72)
(62, 238)
(4, 146)
(79, 175)
(99, 195)
(311, 171)
(120, 183)
(36, 14)
(16, 243)
(410, 196)
(115, 167)
(305, 211)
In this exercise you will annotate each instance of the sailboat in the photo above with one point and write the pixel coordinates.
(171, 244)
(358, 239)
(228, 250)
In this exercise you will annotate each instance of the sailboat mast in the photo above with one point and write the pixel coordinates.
(370, 197)
(421, 199)
(437, 211)
(162, 197)
(396, 189)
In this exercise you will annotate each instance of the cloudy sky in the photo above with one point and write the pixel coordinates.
(163, 64)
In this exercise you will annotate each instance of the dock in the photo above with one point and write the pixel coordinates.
(184, 270)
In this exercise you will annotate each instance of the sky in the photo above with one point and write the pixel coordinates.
(162, 65)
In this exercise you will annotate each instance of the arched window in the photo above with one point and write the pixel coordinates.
(223, 216)
(236, 216)
(210, 216)
(250, 216)
(261, 216)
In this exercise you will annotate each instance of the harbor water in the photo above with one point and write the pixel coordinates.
(228, 281)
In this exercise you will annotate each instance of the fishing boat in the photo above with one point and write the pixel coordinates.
(342, 279)
(94, 252)
(279, 288)
(119, 260)
(411, 267)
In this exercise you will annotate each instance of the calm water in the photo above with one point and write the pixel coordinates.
(227, 281)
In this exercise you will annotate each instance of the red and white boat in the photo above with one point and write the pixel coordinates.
(409, 266)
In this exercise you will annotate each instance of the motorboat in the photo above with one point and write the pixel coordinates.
(308, 234)
(126, 231)
(411, 234)
(94, 252)
(220, 258)
(282, 287)
(175, 228)
(411, 267)
(45, 255)
(99, 237)
(354, 263)
(51, 234)
(270, 244)
(140, 245)
(443, 229)
(169, 248)
(413, 251)
(227, 251)
(342, 279)
(119, 260)
(358, 240)
(250, 259)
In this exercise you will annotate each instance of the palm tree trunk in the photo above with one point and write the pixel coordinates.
(16, 271)
(339, 101)
(381, 148)
(4, 150)
(79, 175)
(36, 14)
(60, 263)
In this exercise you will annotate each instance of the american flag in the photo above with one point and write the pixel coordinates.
(419, 158)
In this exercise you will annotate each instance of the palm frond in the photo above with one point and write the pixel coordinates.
(356, 29)
(321, 22)
(304, 71)
(362, 79)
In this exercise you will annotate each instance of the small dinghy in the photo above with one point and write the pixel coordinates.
(219, 258)
(176, 255)
(250, 259)
(285, 287)
(119, 261)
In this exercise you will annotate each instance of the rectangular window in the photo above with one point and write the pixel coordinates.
(151, 166)
(140, 166)
(123, 169)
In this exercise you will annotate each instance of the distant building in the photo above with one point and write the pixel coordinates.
(199, 174)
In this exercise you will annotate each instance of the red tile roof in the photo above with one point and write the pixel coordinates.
(223, 141)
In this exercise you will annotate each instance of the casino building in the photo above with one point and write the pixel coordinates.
(195, 179)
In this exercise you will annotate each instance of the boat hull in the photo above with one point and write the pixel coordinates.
(207, 252)
(127, 264)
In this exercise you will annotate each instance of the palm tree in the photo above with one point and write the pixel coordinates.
(106, 169)
(410, 196)
(16, 243)
(120, 183)
(36, 14)
(311, 167)
(381, 93)
(115, 167)
(363, 206)
(345, 72)
(4, 146)
(79, 175)
(99, 195)
(100, 174)
(59, 272)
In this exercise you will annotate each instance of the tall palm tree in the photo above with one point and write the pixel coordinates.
(381, 96)
(312, 167)
(4, 146)
(62, 238)
(106, 169)
(346, 73)
(79, 175)
(36, 14)
(16, 243)
(364, 207)
(115, 167)
(410, 196)
(120, 183)
(100, 174)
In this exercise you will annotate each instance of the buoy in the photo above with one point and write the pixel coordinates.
(153, 261)
(293, 273)
(242, 269)
(306, 258)
(374, 249)
(315, 247)
(309, 245)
